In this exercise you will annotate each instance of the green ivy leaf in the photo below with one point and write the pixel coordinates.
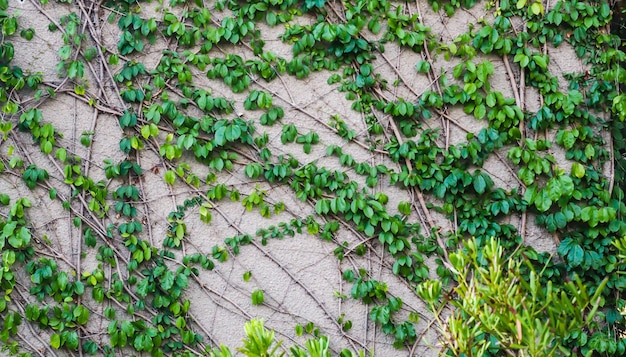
(81, 314)
(560, 220)
(65, 52)
(380, 314)
(404, 207)
(220, 136)
(537, 9)
(167, 281)
(553, 189)
(575, 256)
(271, 18)
(55, 341)
(530, 194)
(470, 88)
(257, 297)
(62, 280)
(542, 201)
(170, 177)
(540, 60)
(369, 230)
(480, 111)
(589, 151)
(479, 184)
(491, 99)
(20, 239)
(205, 213)
(567, 185)
(566, 245)
(522, 59)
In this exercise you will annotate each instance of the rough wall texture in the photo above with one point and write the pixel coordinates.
(300, 276)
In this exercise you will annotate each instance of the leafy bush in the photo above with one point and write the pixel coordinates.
(261, 342)
(501, 305)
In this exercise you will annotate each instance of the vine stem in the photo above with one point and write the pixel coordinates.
(420, 196)
(421, 336)
(32, 330)
(610, 144)
(518, 94)
(511, 76)
(351, 340)
(432, 75)
(291, 276)
(100, 94)
(314, 117)
(522, 129)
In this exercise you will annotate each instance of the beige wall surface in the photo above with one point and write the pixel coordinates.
(300, 276)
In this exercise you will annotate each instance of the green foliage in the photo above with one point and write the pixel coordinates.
(257, 297)
(231, 70)
(260, 341)
(522, 302)
(502, 303)
(32, 175)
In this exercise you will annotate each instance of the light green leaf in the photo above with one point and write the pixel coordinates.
(170, 177)
(55, 341)
(537, 9)
(257, 297)
(543, 201)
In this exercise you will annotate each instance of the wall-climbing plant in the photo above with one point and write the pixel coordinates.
(424, 157)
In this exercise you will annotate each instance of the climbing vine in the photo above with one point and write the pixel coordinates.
(448, 173)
